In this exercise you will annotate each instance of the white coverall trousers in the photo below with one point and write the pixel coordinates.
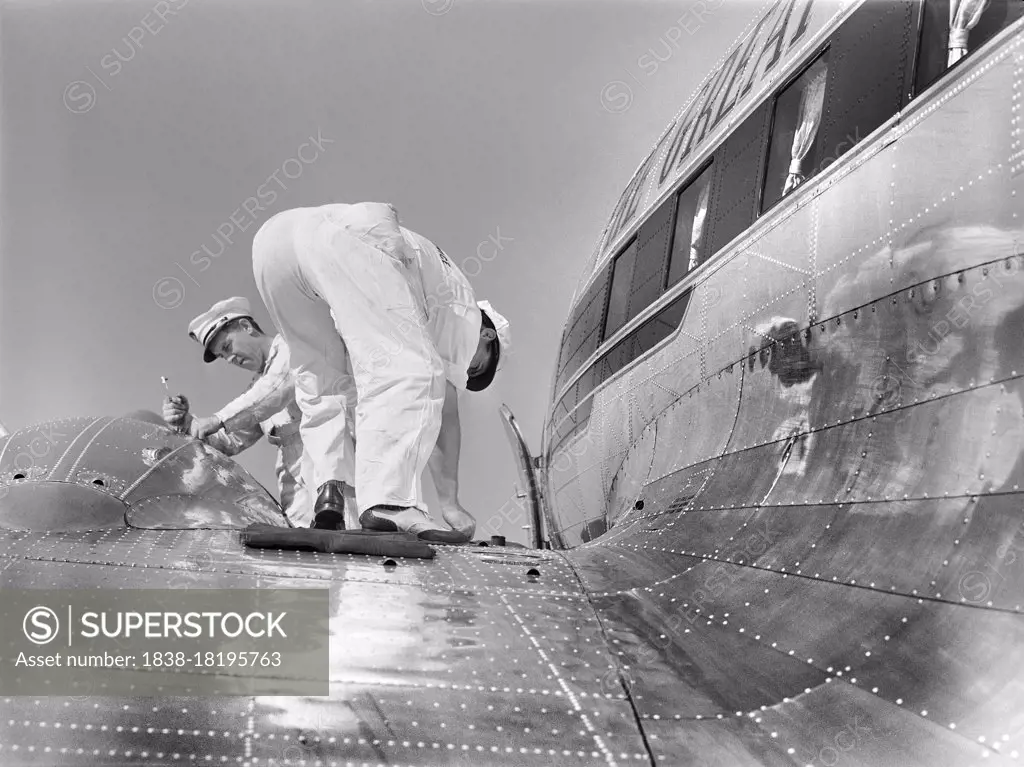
(293, 490)
(295, 500)
(350, 261)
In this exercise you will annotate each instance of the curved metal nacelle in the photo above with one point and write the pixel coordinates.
(132, 471)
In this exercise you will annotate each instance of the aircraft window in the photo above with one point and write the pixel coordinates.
(688, 250)
(584, 329)
(793, 155)
(618, 299)
(643, 339)
(736, 180)
(974, 22)
(867, 83)
(653, 242)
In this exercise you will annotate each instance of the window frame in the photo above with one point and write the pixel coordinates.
(683, 189)
(584, 394)
(916, 91)
(631, 242)
(713, 158)
(809, 62)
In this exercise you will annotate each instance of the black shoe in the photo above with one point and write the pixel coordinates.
(329, 509)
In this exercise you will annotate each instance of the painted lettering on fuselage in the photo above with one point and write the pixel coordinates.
(742, 70)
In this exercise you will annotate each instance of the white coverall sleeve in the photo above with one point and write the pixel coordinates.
(459, 336)
(270, 393)
(452, 311)
(236, 440)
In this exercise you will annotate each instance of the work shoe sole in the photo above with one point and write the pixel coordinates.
(444, 536)
(329, 520)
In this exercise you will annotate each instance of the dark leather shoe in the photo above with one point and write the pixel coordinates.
(329, 509)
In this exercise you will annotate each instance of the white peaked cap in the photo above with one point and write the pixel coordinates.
(501, 327)
(203, 328)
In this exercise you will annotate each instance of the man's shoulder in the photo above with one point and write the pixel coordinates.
(277, 363)
(279, 350)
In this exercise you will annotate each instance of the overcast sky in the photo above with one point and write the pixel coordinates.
(135, 135)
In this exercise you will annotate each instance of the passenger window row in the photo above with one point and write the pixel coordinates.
(647, 336)
(862, 75)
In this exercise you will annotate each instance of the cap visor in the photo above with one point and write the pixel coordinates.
(209, 356)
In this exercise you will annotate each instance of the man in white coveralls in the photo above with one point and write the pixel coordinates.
(375, 312)
(268, 408)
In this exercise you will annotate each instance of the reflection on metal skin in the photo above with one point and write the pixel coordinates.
(826, 568)
(464, 659)
(480, 656)
(797, 522)
(92, 473)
